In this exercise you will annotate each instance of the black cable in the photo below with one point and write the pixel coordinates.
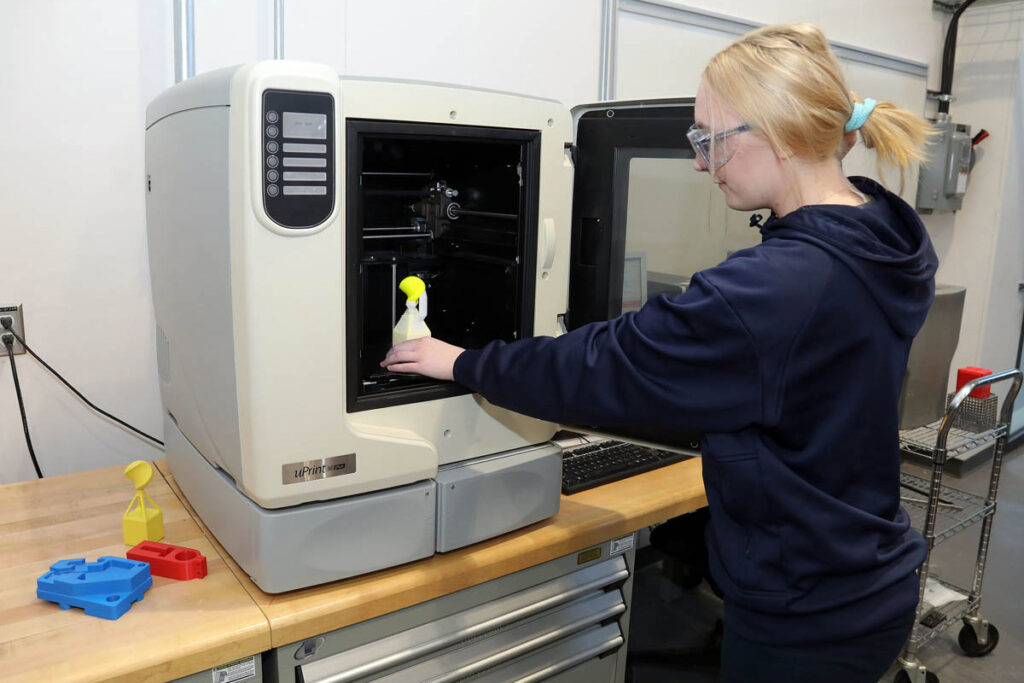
(21, 404)
(77, 392)
(949, 55)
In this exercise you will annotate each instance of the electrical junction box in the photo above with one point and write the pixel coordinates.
(943, 180)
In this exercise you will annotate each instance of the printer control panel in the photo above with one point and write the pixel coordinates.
(298, 157)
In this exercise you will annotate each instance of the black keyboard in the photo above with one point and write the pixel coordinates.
(584, 467)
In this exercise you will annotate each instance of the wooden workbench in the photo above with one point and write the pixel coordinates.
(180, 628)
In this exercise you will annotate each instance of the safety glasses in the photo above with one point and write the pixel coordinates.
(714, 149)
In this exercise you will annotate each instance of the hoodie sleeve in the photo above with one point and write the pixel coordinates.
(685, 363)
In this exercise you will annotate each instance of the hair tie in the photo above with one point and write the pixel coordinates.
(861, 110)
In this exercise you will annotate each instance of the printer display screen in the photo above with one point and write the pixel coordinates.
(304, 126)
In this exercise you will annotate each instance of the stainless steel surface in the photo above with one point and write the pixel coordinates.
(977, 414)
(609, 47)
(455, 213)
(950, 614)
(984, 511)
(553, 660)
(278, 29)
(905, 499)
(505, 646)
(959, 443)
(1013, 375)
(923, 395)
(322, 468)
(962, 510)
(436, 636)
(184, 40)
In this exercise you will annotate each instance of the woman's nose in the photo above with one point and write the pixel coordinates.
(698, 164)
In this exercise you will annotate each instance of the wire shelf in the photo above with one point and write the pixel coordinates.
(959, 443)
(938, 619)
(957, 509)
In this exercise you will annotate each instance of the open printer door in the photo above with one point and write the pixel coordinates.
(643, 219)
(632, 164)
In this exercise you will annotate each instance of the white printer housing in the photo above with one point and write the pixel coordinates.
(254, 286)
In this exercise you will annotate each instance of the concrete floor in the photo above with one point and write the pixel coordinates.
(667, 616)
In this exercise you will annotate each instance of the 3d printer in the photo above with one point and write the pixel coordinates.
(284, 206)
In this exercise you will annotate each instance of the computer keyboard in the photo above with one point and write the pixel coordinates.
(591, 465)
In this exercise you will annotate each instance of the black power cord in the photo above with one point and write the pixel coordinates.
(949, 56)
(9, 343)
(7, 326)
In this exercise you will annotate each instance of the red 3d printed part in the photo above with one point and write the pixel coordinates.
(170, 561)
(965, 375)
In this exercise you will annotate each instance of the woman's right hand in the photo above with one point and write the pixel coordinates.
(424, 356)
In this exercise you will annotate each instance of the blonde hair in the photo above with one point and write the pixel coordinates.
(785, 82)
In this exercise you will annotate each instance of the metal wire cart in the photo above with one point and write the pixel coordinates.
(944, 513)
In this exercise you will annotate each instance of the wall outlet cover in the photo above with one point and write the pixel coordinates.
(15, 312)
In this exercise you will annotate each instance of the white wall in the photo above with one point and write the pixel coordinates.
(75, 83)
(78, 75)
(980, 246)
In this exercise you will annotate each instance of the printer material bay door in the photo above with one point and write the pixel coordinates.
(643, 219)
(636, 204)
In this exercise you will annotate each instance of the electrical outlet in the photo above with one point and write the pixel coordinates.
(13, 312)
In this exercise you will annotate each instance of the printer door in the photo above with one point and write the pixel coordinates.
(643, 219)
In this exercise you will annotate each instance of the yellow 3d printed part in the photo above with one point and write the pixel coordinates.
(411, 325)
(141, 523)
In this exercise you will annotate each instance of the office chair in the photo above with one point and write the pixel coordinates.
(681, 541)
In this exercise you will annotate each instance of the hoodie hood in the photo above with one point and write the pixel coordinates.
(883, 242)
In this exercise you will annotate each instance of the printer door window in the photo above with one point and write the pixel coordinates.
(644, 221)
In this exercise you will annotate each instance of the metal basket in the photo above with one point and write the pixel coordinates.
(976, 414)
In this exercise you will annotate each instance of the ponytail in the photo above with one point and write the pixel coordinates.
(898, 137)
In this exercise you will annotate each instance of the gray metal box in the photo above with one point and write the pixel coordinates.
(943, 180)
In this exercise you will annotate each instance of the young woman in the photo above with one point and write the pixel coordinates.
(788, 356)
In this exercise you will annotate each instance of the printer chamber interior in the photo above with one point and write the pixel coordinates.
(455, 206)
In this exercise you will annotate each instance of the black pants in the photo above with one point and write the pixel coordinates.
(857, 660)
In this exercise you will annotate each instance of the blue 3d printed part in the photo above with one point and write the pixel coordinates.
(104, 588)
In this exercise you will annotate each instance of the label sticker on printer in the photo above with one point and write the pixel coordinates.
(309, 470)
(242, 670)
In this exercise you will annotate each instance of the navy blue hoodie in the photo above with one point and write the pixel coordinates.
(788, 357)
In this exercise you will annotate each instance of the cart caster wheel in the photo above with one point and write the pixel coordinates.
(969, 641)
(904, 677)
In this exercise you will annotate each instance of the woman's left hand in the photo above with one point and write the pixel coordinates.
(424, 356)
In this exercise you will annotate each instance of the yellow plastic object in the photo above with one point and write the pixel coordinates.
(411, 325)
(141, 523)
(413, 288)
